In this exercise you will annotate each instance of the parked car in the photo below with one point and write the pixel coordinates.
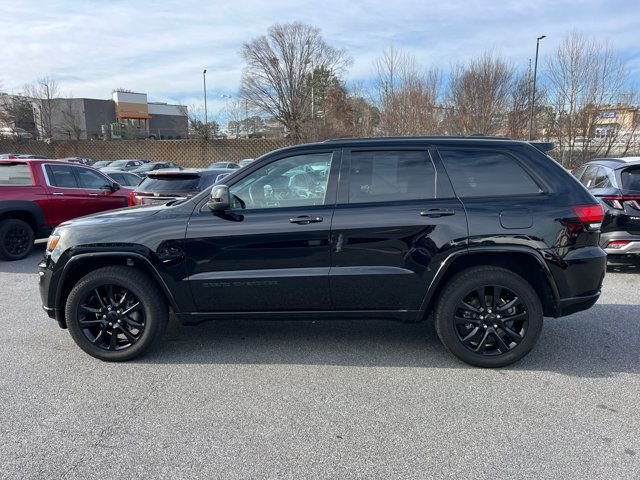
(37, 195)
(245, 162)
(102, 163)
(144, 169)
(486, 236)
(15, 133)
(230, 165)
(168, 185)
(31, 157)
(615, 182)
(126, 165)
(126, 179)
(80, 160)
(8, 156)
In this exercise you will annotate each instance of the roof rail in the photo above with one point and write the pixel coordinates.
(418, 137)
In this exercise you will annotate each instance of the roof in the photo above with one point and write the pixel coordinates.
(615, 163)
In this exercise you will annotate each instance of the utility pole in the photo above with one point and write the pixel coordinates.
(204, 84)
(533, 93)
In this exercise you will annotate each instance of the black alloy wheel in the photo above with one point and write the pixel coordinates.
(116, 313)
(112, 317)
(491, 320)
(489, 316)
(16, 239)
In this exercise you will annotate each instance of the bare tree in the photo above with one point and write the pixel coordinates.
(43, 93)
(197, 127)
(408, 98)
(278, 72)
(585, 77)
(70, 120)
(478, 96)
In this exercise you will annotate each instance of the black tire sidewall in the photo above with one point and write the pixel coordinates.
(143, 287)
(468, 281)
(5, 226)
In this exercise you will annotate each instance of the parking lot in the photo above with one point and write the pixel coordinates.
(319, 399)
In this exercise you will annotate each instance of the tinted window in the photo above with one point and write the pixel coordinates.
(295, 181)
(631, 179)
(579, 171)
(117, 177)
(602, 179)
(15, 174)
(483, 173)
(90, 179)
(589, 176)
(61, 176)
(170, 183)
(381, 176)
(130, 180)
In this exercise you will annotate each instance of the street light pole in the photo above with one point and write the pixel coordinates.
(204, 84)
(533, 93)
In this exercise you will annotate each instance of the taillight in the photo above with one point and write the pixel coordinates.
(131, 204)
(617, 244)
(589, 215)
(614, 201)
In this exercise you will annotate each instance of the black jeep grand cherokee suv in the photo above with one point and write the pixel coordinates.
(488, 235)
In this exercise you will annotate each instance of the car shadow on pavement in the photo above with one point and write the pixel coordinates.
(26, 265)
(597, 343)
(626, 267)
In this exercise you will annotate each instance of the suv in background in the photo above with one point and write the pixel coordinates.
(37, 195)
(616, 183)
(146, 168)
(486, 236)
(126, 165)
(168, 185)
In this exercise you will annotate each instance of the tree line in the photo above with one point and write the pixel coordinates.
(294, 76)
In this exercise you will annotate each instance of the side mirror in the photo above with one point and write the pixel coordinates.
(219, 198)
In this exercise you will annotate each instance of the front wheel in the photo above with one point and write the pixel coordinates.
(489, 317)
(116, 313)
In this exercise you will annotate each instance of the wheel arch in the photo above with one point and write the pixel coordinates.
(29, 212)
(80, 265)
(523, 261)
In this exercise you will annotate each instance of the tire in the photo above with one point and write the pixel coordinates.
(93, 330)
(487, 335)
(16, 239)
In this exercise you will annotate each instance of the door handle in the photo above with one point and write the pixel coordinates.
(57, 193)
(93, 194)
(305, 219)
(437, 212)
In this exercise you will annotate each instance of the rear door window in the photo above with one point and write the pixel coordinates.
(61, 176)
(589, 177)
(486, 173)
(389, 175)
(601, 179)
(15, 174)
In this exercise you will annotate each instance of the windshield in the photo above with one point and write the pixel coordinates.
(119, 163)
(147, 166)
(102, 163)
(631, 178)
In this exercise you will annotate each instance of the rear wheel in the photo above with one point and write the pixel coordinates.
(116, 313)
(16, 239)
(489, 317)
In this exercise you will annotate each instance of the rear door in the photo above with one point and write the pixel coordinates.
(395, 221)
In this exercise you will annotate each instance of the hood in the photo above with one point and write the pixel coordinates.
(127, 214)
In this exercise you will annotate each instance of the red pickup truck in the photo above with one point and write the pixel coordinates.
(37, 195)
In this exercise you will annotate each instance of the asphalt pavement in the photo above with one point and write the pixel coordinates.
(325, 399)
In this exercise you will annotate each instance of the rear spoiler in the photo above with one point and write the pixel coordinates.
(544, 146)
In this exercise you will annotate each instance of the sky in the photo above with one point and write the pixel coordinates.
(161, 47)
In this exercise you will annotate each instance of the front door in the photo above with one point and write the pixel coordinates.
(395, 221)
(270, 251)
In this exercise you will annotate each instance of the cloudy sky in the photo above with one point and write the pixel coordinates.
(161, 47)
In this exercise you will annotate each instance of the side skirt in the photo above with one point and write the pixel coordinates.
(398, 315)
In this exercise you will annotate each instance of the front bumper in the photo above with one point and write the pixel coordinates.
(47, 286)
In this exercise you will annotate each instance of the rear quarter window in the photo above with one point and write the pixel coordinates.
(486, 173)
(16, 174)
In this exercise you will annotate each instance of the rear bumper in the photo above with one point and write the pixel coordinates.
(631, 248)
(571, 305)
